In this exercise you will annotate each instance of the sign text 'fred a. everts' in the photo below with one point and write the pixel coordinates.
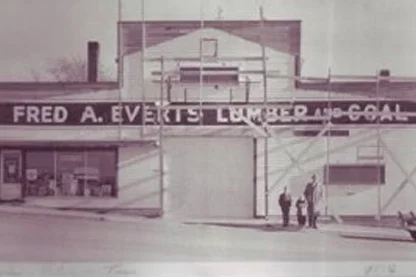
(282, 113)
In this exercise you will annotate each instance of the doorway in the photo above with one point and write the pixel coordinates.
(11, 175)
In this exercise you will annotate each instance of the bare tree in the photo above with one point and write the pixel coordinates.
(69, 70)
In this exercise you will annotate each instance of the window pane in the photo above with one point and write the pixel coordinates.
(69, 164)
(40, 173)
(78, 173)
(102, 166)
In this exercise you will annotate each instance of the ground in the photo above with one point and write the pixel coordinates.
(44, 238)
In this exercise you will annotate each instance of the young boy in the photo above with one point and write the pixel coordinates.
(301, 210)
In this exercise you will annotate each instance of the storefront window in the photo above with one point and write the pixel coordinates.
(103, 173)
(40, 177)
(71, 173)
(68, 164)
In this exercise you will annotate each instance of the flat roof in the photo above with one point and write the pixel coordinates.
(34, 86)
(390, 89)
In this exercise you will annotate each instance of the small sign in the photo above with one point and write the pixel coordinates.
(31, 174)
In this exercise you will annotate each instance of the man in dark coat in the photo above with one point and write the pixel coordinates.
(285, 201)
(313, 195)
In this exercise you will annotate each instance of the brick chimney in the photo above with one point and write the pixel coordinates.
(384, 73)
(93, 63)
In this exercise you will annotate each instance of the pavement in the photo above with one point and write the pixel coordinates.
(343, 229)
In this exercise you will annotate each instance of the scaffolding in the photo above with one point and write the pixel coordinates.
(264, 131)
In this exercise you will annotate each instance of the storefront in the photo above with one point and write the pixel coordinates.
(67, 171)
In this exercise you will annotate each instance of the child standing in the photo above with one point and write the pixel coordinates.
(301, 210)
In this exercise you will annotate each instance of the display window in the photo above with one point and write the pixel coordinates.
(71, 173)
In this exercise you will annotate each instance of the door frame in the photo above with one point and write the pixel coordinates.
(3, 153)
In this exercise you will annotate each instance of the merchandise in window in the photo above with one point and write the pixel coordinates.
(71, 173)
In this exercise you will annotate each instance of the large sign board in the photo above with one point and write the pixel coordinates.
(236, 114)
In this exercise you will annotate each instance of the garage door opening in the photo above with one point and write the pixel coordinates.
(209, 177)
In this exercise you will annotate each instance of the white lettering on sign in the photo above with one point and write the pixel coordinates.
(193, 116)
(89, 114)
(220, 116)
(349, 112)
(354, 108)
(254, 114)
(132, 113)
(18, 112)
(149, 118)
(318, 112)
(165, 115)
(118, 111)
(399, 117)
(178, 115)
(388, 116)
(39, 114)
(60, 114)
(32, 114)
(271, 115)
(371, 109)
(285, 113)
(300, 111)
(235, 115)
(116, 116)
(336, 113)
(46, 114)
(385, 110)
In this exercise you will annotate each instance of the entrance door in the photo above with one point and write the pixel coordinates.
(11, 175)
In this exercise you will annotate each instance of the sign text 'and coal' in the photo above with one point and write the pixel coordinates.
(343, 112)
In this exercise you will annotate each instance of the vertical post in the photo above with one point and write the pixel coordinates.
(231, 95)
(247, 89)
(169, 89)
(120, 66)
(55, 172)
(266, 141)
(328, 144)
(185, 95)
(143, 59)
(378, 216)
(119, 46)
(84, 183)
(161, 137)
(201, 60)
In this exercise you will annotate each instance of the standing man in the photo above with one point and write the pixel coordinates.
(313, 194)
(285, 201)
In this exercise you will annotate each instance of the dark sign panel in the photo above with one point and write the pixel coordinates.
(355, 174)
(281, 113)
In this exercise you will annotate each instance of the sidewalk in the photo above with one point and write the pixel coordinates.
(30, 210)
(343, 229)
(273, 222)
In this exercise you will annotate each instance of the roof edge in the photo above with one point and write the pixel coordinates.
(34, 86)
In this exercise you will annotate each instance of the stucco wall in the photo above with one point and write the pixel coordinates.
(341, 199)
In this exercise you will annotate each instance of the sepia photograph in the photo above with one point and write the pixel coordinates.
(208, 138)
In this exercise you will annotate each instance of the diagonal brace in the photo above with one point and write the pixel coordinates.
(396, 161)
(247, 121)
(304, 151)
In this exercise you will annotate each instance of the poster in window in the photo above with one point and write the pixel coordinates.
(11, 168)
(31, 174)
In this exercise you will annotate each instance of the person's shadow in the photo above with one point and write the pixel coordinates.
(266, 227)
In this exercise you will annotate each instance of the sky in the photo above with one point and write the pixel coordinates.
(348, 36)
